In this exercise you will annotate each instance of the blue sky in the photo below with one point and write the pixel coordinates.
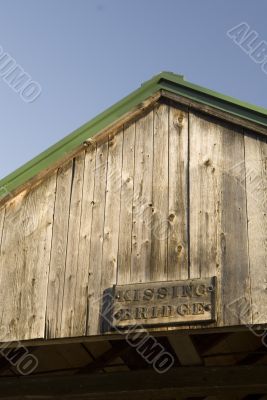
(88, 54)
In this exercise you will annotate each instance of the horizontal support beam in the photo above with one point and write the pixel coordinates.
(224, 115)
(186, 381)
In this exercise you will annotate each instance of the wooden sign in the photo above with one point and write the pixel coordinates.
(164, 303)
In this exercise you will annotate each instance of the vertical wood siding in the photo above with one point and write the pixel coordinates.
(256, 188)
(24, 263)
(173, 195)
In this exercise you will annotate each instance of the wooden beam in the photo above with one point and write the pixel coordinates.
(194, 105)
(185, 350)
(106, 358)
(189, 381)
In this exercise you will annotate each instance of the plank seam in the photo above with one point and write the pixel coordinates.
(134, 168)
(67, 241)
(46, 331)
(248, 238)
(80, 223)
(91, 229)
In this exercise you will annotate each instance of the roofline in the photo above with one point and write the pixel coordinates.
(165, 80)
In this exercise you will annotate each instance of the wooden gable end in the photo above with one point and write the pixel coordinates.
(173, 195)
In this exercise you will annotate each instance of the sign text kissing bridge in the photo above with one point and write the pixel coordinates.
(164, 303)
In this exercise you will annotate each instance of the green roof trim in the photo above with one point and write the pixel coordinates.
(164, 81)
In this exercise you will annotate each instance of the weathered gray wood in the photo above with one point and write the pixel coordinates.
(205, 177)
(178, 195)
(80, 305)
(72, 255)
(96, 247)
(206, 168)
(106, 216)
(236, 293)
(112, 216)
(58, 252)
(255, 181)
(142, 200)
(218, 214)
(221, 115)
(11, 261)
(24, 262)
(126, 213)
(160, 195)
(100, 137)
(2, 218)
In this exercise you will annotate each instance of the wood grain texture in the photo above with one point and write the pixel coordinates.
(160, 195)
(255, 180)
(96, 222)
(126, 213)
(2, 219)
(205, 196)
(80, 302)
(218, 214)
(72, 255)
(97, 238)
(112, 216)
(24, 262)
(59, 250)
(178, 195)
(142, 200)
(236, 293)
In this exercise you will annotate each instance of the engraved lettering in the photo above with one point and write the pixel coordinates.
(164, 303)
(167, 311)
(188, 291)
(200, 290)
(183, 309)
(141, 312)
(162, 293)
(198, 308)
(148, 294)
(154, 313)
(136, 295)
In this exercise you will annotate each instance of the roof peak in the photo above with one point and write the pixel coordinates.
(163, 82)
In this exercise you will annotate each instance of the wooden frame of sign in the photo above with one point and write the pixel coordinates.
(164, 303)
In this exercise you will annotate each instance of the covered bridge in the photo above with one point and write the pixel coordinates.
(133, 254)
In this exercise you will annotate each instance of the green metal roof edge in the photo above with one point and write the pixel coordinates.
(170, 81)
(165, 80)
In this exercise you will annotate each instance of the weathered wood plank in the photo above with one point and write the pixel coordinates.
(2, 218)
(185, 350)
(222, 115)
(11, 260)
(218, 216)
(178, 195)
(256, 188)
(160, 195)
(163, 303)
(142, 200)
(59, 250)
(72, 256)
(236, 293)
(126, 214)
(96, 247)
(205, 177)
(25, 260)
(112, 215)
(206, 165)
(100, 137)
(80, 301)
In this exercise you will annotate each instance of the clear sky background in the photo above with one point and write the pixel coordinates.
(88, 54)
